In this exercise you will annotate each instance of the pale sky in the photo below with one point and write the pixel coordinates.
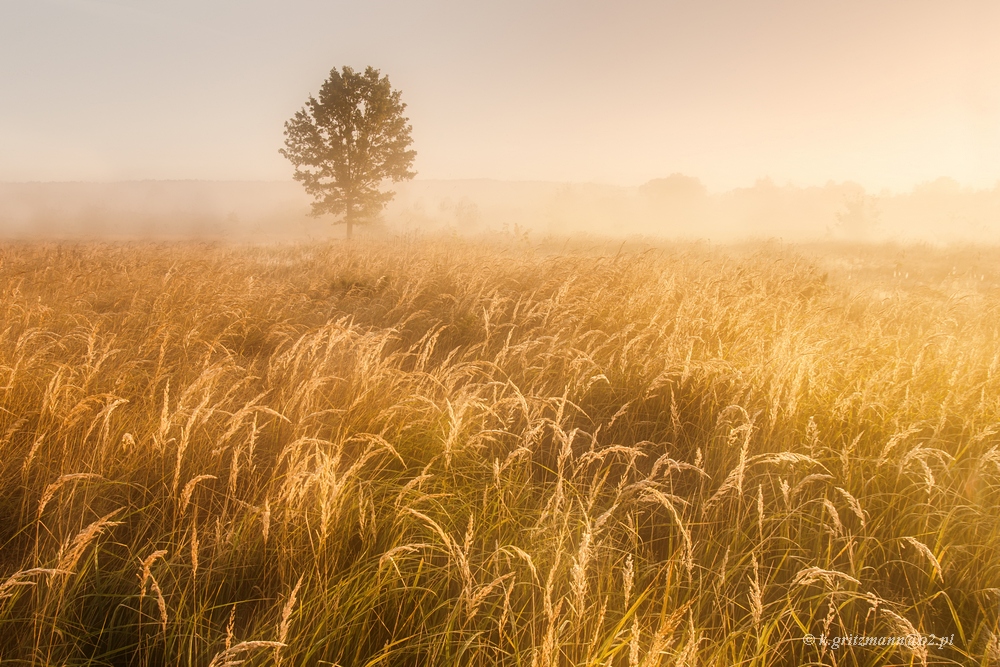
(887, 94)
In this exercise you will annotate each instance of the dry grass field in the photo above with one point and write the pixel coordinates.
(422, 452)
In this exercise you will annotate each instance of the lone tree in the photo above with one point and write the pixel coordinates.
(346, 143)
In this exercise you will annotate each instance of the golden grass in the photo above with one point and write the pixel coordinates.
(446, 452)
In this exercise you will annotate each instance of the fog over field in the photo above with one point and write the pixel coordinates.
(674, 207)
(542, 333)
(801, 121)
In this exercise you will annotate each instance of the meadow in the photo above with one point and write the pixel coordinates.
(456, 452)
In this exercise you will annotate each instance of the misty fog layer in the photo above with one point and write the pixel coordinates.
(673, 207)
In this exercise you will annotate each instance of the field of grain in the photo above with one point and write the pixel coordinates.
(446, 452)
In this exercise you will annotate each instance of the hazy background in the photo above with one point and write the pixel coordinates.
(550, 115)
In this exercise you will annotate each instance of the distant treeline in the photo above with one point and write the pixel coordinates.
(676, 206)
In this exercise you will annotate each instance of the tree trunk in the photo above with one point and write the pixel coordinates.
(349, 218)
(350, 228)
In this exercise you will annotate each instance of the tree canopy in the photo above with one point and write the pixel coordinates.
(347, 142)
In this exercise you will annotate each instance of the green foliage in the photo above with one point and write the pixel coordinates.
(345, 144)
